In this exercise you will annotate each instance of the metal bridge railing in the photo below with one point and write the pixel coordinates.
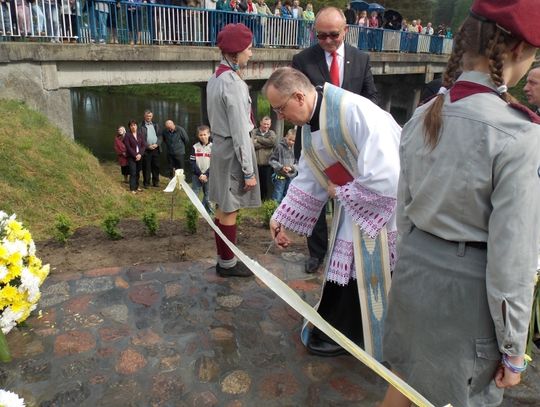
(134, 22)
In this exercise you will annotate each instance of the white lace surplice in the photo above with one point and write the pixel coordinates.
(369, 200)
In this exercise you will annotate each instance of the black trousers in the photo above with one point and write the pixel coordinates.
(134, 173)
(265, 179)
(340, 306)
(176, 162)
(151, 167)
(318, 241)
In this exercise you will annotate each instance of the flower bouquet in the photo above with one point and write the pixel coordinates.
(21, 275)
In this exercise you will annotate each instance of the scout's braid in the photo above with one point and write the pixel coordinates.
(497, 54)
(433, 119)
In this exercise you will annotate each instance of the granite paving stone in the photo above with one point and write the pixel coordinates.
(177, 334)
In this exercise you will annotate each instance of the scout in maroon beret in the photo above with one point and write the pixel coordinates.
(460, 301)
(233, 167)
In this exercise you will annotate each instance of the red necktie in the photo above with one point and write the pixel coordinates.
(334, 69)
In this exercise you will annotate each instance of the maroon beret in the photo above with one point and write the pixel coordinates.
(234, 38)
(519, 17)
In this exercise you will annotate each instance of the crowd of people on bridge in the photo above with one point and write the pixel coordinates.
(105, 21)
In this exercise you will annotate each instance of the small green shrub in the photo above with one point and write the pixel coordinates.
(192, 218)
(239, 218)
(150, 221)
(268, 209)
(62, 228)
(109, 225)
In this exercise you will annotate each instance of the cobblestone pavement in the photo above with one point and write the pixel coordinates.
(179, 335)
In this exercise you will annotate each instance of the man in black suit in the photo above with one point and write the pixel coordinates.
(354, 75)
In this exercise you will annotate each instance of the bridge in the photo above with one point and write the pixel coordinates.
(42, 74)
(168, 44)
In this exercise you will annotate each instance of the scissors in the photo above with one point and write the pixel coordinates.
(273, 242)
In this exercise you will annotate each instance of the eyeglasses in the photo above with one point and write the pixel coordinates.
(279, 110)
(334, 35)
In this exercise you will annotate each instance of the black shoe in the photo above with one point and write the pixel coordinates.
(312, 265)
(328, 348)
(238, 270)
(156, 185)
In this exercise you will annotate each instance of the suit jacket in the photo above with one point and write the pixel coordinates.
(131, 144)
(357, 76)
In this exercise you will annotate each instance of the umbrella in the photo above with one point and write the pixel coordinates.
(359, 5)
(375, 7)
(393, 15)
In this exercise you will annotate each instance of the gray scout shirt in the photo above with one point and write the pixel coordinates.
(481, 184)
(235, 102)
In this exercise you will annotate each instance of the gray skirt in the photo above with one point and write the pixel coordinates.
(226, 183)
(439, 334)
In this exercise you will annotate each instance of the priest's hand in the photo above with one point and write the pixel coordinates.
(278, 235)
(331, 190)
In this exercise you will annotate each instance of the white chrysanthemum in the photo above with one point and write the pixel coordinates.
(9, 319)
(18, 246)
(30, 283)
(3, 272)
(32, 248)
(10, 399)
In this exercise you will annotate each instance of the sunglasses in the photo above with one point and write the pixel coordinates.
(334, 35)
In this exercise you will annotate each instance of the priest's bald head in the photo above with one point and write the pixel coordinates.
(291, 95)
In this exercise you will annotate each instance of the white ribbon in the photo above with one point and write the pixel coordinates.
(290, 297)
(442, 91)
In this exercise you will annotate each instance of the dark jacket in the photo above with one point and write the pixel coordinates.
(283, 156)
(176, 141)
(143, 130)
(131, 144)
(357, 76)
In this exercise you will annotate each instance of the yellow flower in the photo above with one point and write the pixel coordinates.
(3, 252)
(9, 293)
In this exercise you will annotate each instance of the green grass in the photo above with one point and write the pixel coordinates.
(45, 174)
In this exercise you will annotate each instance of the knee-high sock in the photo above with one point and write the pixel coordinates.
(219, 242)
(230, 232)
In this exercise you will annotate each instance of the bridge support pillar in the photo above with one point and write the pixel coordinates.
(204, 106)
(36, 84)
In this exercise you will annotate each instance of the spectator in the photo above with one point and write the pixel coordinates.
(284, 165)
(286, 9)
(176, 140)
(309, 15)
(101, 14)
(200, 164)
(297, 11)
(374, 20)
(135, 147)
(235, 6)
(428, 29)
(40, 18)
(223, 5)
(251, 8)
(264, 140)
(153, 140)
(5, 27)
(404, 25)
(263, 9)
(363, 20)
(24, 23)
(51, 19)
(419, 25)
(413, 27)
(532, 88)
(277, 8)
(121, 153)
(350, 15)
